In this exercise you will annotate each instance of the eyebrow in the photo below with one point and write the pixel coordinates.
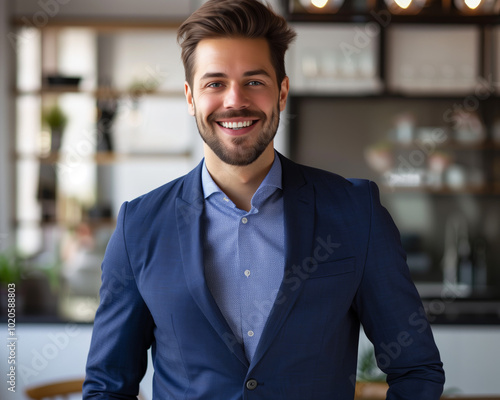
(210, 75)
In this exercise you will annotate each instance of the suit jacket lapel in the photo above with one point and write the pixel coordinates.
(189, 211)
(298, 196)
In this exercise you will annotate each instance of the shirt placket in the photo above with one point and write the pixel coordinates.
(246, 271)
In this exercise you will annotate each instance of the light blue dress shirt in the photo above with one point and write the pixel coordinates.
(244, 254)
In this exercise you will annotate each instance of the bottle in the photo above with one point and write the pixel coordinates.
(465, 266)
(480, 278)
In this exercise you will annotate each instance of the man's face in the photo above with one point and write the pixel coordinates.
(235, 98)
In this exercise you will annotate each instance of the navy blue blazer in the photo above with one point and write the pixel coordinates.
(344, 266)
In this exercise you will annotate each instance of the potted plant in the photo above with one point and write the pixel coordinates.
(370, 380)
(11, 267)
(11, 272)
(56, 120)
(36, 279)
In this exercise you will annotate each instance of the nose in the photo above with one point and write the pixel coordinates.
(236, 97)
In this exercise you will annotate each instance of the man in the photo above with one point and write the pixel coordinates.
(249, 277)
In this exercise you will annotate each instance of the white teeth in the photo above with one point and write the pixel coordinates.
(236, 125)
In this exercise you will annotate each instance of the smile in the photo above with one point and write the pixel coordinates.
(236, 125)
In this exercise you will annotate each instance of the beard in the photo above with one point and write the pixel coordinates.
(245, 149)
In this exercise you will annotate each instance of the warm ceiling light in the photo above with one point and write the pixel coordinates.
(410, 7)
(322, 3)
(404, 4)
(321, 6)
(476, 7)
(472, 4)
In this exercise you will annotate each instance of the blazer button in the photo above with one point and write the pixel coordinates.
(251, 384)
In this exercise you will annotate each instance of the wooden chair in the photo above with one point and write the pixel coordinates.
(371, 390)
(58, 390)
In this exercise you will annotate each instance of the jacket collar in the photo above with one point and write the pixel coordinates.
(299, 216)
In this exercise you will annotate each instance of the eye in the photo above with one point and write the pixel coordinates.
(214, 85)
(254, 83)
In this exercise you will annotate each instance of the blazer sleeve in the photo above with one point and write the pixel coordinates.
(392, 315)
(123, 327)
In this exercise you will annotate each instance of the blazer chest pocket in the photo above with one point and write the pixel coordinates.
(332, 268)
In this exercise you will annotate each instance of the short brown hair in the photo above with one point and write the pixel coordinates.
(235, 18)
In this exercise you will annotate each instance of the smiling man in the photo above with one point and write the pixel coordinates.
(250, 276)
(236, 99)
(235, 87)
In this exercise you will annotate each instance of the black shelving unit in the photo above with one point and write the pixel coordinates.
(486, 197)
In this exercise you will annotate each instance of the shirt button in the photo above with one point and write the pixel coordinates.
(247, 273)
(251, 333)
(251, 384)
(244, 220)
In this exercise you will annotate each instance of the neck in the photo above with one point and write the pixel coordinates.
(239, 183)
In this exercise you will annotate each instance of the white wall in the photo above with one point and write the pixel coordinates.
(6, 195)
(471, 358)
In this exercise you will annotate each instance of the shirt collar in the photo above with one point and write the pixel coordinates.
(272, 179)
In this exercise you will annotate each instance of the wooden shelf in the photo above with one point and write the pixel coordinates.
(92, 222)
(102, 158)
(111, 158)
(386, 94)
(98, 93)
(486, 190)
(453, 145)
(104, 24)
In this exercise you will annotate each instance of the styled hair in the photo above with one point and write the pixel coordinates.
(232, 19)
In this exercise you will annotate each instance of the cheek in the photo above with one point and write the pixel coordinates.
(206, 105)
(266, 102)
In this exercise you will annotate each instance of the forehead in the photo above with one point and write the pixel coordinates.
(232, 56)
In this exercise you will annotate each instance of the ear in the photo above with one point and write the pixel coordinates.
(189, 98)
(284, 89)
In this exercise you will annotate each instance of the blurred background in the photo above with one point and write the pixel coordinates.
(92, 113)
